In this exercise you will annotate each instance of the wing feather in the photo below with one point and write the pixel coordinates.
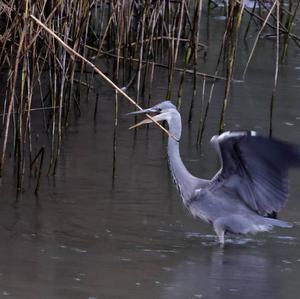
(256, 168)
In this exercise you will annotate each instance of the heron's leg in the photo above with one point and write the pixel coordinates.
(220, 231)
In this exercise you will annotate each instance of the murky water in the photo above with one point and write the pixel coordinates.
(84, 237)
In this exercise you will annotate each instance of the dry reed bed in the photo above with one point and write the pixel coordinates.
(140, 37)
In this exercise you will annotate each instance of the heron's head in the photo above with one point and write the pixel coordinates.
(162, 111)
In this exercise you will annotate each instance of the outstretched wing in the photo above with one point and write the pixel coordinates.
(255, 168)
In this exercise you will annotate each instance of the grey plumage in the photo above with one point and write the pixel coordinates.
(251, 185)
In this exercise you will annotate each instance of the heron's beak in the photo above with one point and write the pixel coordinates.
(157, 117)
(149, 110)
(143, 122)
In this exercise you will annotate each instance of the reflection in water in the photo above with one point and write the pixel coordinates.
(229, 273)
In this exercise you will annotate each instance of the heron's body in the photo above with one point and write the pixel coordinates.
(227, 214)
(251, 184)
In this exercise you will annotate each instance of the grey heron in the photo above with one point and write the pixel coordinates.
(250, 187)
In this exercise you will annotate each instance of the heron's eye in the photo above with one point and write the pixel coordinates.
(159, 110)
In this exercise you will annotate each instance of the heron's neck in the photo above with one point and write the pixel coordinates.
(184, 180)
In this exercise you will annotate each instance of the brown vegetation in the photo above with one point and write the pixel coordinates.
(47, 48)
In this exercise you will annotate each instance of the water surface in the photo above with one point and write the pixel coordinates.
(88, 236)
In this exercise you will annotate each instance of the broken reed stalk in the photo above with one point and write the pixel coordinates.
(161, 65)
(119, 37)
(182, 5)
(290, 23)
(276, 70)
(196, 34)
(171, 48)
(139, 71)
(257, 37)
(250, 20)
(186, 59)
(60, 99)
(115, 137)
(96, 106)
(151, 54)
(40, 153)
(200, 133)
(151, 84)
(99, 72)
(232, 31)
